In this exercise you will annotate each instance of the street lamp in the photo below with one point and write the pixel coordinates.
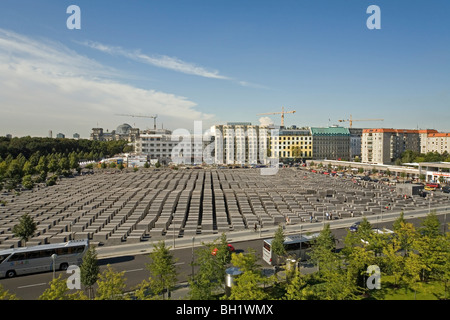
(192, 262)
(54, 264)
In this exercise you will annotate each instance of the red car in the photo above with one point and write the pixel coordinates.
(230, 249)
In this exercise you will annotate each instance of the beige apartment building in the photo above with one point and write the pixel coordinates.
(435, 142)
(383, 146)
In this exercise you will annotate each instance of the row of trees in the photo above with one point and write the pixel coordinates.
(43, 161)
(411, 258)
(410, 156)
(27, 146)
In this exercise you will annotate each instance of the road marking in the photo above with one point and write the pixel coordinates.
(178, 263)
(32, 285)
(134, 270)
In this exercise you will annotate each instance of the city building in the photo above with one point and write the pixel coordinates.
(122, 132)
(384, 146)
(330, 143)
(60, 136)
(165, 146)
(433, 141)
(291, 145)
(76, 136)
(355, 142)
(241, 143)
(156, 144)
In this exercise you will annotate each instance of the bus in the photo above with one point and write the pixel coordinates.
(26, 260)
(297, 246)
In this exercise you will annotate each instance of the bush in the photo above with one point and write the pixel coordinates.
(52, 180)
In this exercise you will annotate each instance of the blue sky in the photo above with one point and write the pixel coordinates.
(220, 61)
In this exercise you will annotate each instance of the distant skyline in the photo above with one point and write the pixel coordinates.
(222, 61)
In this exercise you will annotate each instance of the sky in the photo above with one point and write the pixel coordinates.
(222, 61)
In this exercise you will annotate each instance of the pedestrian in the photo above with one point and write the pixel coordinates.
(327, 216)
(339, 215)
(331, 215)
(256, 227)
(351, 213)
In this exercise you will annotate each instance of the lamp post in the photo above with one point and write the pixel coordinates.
(54, 264)
(192, 258)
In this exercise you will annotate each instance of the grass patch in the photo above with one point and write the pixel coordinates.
(432, 290)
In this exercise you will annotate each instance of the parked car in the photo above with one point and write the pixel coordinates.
(230, 248)
(354, 227)
(446, 189)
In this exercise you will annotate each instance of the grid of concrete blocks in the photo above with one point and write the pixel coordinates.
(113, 209)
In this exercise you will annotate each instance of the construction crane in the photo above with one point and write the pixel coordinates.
(282, 114)
(141, 116)
(351, 120)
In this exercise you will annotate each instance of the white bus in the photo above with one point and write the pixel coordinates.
(20, 261)
(297, 246)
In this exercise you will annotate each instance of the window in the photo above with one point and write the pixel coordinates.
(17, 257)
(292, 246)
(3, 257)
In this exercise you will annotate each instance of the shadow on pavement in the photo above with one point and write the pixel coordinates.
(103, 262)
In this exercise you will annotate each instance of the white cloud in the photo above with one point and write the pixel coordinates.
(265, 121)
(163, 61)
(45, 85)
(160, 61)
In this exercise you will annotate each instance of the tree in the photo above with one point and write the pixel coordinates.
(277, 245)
(399, 221)
(393, 260)
(89, 270)
(357, 262)
(248, 284)
(433, 248)
(6, 295)
(74, 161)
(245, 262)
(247, 287)
(64, 163)
(14, 170)
(25, 229)
(403, 175)
(298, 288)
(364, 231)
(431, 225)
(210, 276)
(111, 285)
(406, 235)
(411, 272)
(59, 291)
(52, 165)
(163, 273)
(157, 165)
(27, 182)
(322, 249)
(28, 168)
(42, 165)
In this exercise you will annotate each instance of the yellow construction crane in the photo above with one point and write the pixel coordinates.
(141, 116)
(282, 114)
(351, 120)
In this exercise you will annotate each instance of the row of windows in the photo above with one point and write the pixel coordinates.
(44, 253)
